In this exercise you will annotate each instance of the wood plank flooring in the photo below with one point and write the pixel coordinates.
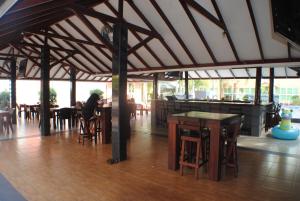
(57, 168)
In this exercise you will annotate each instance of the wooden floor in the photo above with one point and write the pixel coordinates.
(58, 168)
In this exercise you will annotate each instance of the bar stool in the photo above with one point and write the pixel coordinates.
(90, 129)
(229, 137)
(202, 148)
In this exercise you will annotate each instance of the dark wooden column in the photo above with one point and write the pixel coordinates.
(155, 86)
(257, 86)
(120, 114)
(271, 86)
(45, 90)
(13, 95)
(186, 84)
(73, 86)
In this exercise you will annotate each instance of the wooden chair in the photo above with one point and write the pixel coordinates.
(229, 137)
(192, 158)
(63, 115)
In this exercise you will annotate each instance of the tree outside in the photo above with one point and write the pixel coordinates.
(97, 91)
(4, 99)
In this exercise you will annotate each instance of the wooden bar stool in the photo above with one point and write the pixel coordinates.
(193, 159)
(229, 137)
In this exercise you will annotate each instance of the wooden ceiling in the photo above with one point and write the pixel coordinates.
(164, 35)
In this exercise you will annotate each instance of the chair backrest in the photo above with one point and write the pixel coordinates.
(66, 113)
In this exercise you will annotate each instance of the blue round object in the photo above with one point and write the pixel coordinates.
(291, 134)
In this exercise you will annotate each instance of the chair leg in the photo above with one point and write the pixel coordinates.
(197, 160)
(182, 157)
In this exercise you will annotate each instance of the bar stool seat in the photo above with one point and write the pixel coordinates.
(187, 156)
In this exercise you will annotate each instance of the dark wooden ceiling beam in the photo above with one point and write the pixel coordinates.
(146, 21)
(255, 29)
(289, 50)
(73, 57)
(108, 18)
(86, 37)
(205, 13)
(61, 60)
(25, 54)
(57, 70)
(87, 69)
(198, 30)
(139, 45)
(61, 28)
(15, 55)
(133, 32)
(220, 64)
(71, 39)
(91, 27)
(84, 56)
(38, 8)
(50, 47)
(168, 23)
(141, 59)
(225, 29)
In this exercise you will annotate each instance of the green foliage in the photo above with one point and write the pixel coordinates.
(295, 100)
(97, 91)
(4, 99)
(52, 96)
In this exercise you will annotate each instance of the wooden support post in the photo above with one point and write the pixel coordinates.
(73, 86)
(13, 89)
(186, 84)
(257, 99)
(120, 113)
(45, 90)
(155, 86)
(271, 86)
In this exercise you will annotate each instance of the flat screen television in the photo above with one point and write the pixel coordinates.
(286, 19)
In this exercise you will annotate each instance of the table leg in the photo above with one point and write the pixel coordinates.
(1, 124)
(173, 154)
(214, 165)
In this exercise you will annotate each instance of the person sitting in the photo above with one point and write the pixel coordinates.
(90, 106)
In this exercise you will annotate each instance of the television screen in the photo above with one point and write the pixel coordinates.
(286, 19)
(174, 74)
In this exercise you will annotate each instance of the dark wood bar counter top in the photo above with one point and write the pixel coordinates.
(255, 115)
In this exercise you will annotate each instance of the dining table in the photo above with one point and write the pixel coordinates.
(3, 113)
(215, 122)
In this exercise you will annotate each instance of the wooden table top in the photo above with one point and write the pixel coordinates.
(203, 115)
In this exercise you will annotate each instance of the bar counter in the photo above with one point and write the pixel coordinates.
(255, 115)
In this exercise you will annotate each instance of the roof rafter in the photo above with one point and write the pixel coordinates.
(84, 56)
(59, 54)
(108, 18)
(86, 49)
(145, 20)
(225, 30)
(198, 30)
(66, 38)
(168, 23)
(255, 29)
(138, 36)
(205, 13)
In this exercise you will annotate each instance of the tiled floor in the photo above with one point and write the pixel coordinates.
(267, 143)
(58, 168)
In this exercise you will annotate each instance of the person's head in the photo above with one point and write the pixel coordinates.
(93, 99)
